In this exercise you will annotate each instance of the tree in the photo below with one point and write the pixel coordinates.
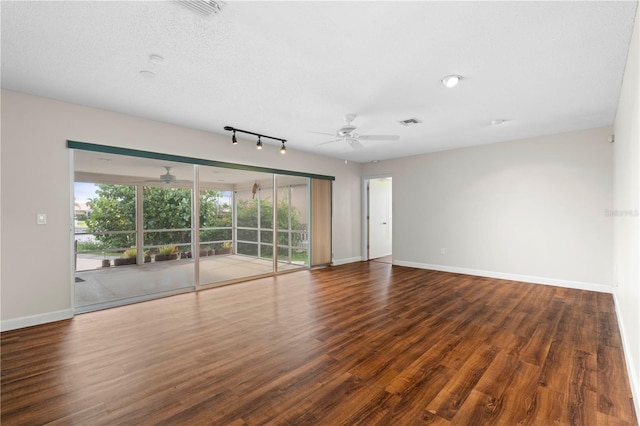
(113, 210)
(247, 216)
(164, 208)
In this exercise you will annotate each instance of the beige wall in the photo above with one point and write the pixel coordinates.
(531, 210)
(36, 178)
(626, 206)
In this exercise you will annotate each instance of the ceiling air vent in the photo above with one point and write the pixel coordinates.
(201, 7)
(410, 121)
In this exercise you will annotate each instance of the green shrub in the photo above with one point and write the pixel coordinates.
(166, 250)
(89, 246)
(131, 253)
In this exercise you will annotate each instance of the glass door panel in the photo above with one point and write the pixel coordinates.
(133, 215)
(234, 243)
(293, 220)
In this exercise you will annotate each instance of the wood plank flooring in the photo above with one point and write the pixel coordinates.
(365, 343)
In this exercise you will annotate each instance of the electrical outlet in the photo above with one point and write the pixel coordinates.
(41, 219)
(443, 251)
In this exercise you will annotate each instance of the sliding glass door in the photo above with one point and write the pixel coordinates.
(148, 227)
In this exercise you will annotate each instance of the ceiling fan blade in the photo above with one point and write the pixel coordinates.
(164, 181)
(324, 143)
(378, 137)
(323, 133)
(355, 144)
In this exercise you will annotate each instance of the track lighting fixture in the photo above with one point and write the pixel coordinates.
(234, 140)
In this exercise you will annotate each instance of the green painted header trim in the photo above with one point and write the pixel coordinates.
(190, 160)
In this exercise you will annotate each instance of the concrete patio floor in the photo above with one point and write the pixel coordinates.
(107, 287)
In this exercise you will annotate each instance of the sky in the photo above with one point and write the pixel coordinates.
(83, 191)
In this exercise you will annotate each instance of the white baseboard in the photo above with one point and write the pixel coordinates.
(631, 367)
(337, 262)
(15, 323)
(601, 288)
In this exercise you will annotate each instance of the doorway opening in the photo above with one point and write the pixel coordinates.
(379, 219)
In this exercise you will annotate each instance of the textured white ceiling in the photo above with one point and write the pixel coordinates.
(288, 68)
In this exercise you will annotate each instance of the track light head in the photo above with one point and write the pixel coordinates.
(283, 149)
(259, 144)
(234, 140)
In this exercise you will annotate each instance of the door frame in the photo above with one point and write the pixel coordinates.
(365, 212)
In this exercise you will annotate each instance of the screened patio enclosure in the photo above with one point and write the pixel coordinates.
(147, 227)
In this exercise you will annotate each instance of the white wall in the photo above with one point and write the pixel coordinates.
(531, 210)
(626, 205)
(36, 174)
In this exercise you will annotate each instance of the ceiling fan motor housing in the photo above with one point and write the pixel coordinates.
(167, 177)
(346, 130)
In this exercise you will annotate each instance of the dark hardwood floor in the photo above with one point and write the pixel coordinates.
(364, 343)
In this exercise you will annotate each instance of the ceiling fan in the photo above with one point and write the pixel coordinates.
(167, 178)
(347, 134)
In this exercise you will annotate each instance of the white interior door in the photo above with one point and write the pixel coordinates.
(380, 217)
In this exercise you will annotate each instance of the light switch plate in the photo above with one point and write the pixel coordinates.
(42, 219)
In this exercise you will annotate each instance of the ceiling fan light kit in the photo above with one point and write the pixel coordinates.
(234, 140)
(451, 80)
